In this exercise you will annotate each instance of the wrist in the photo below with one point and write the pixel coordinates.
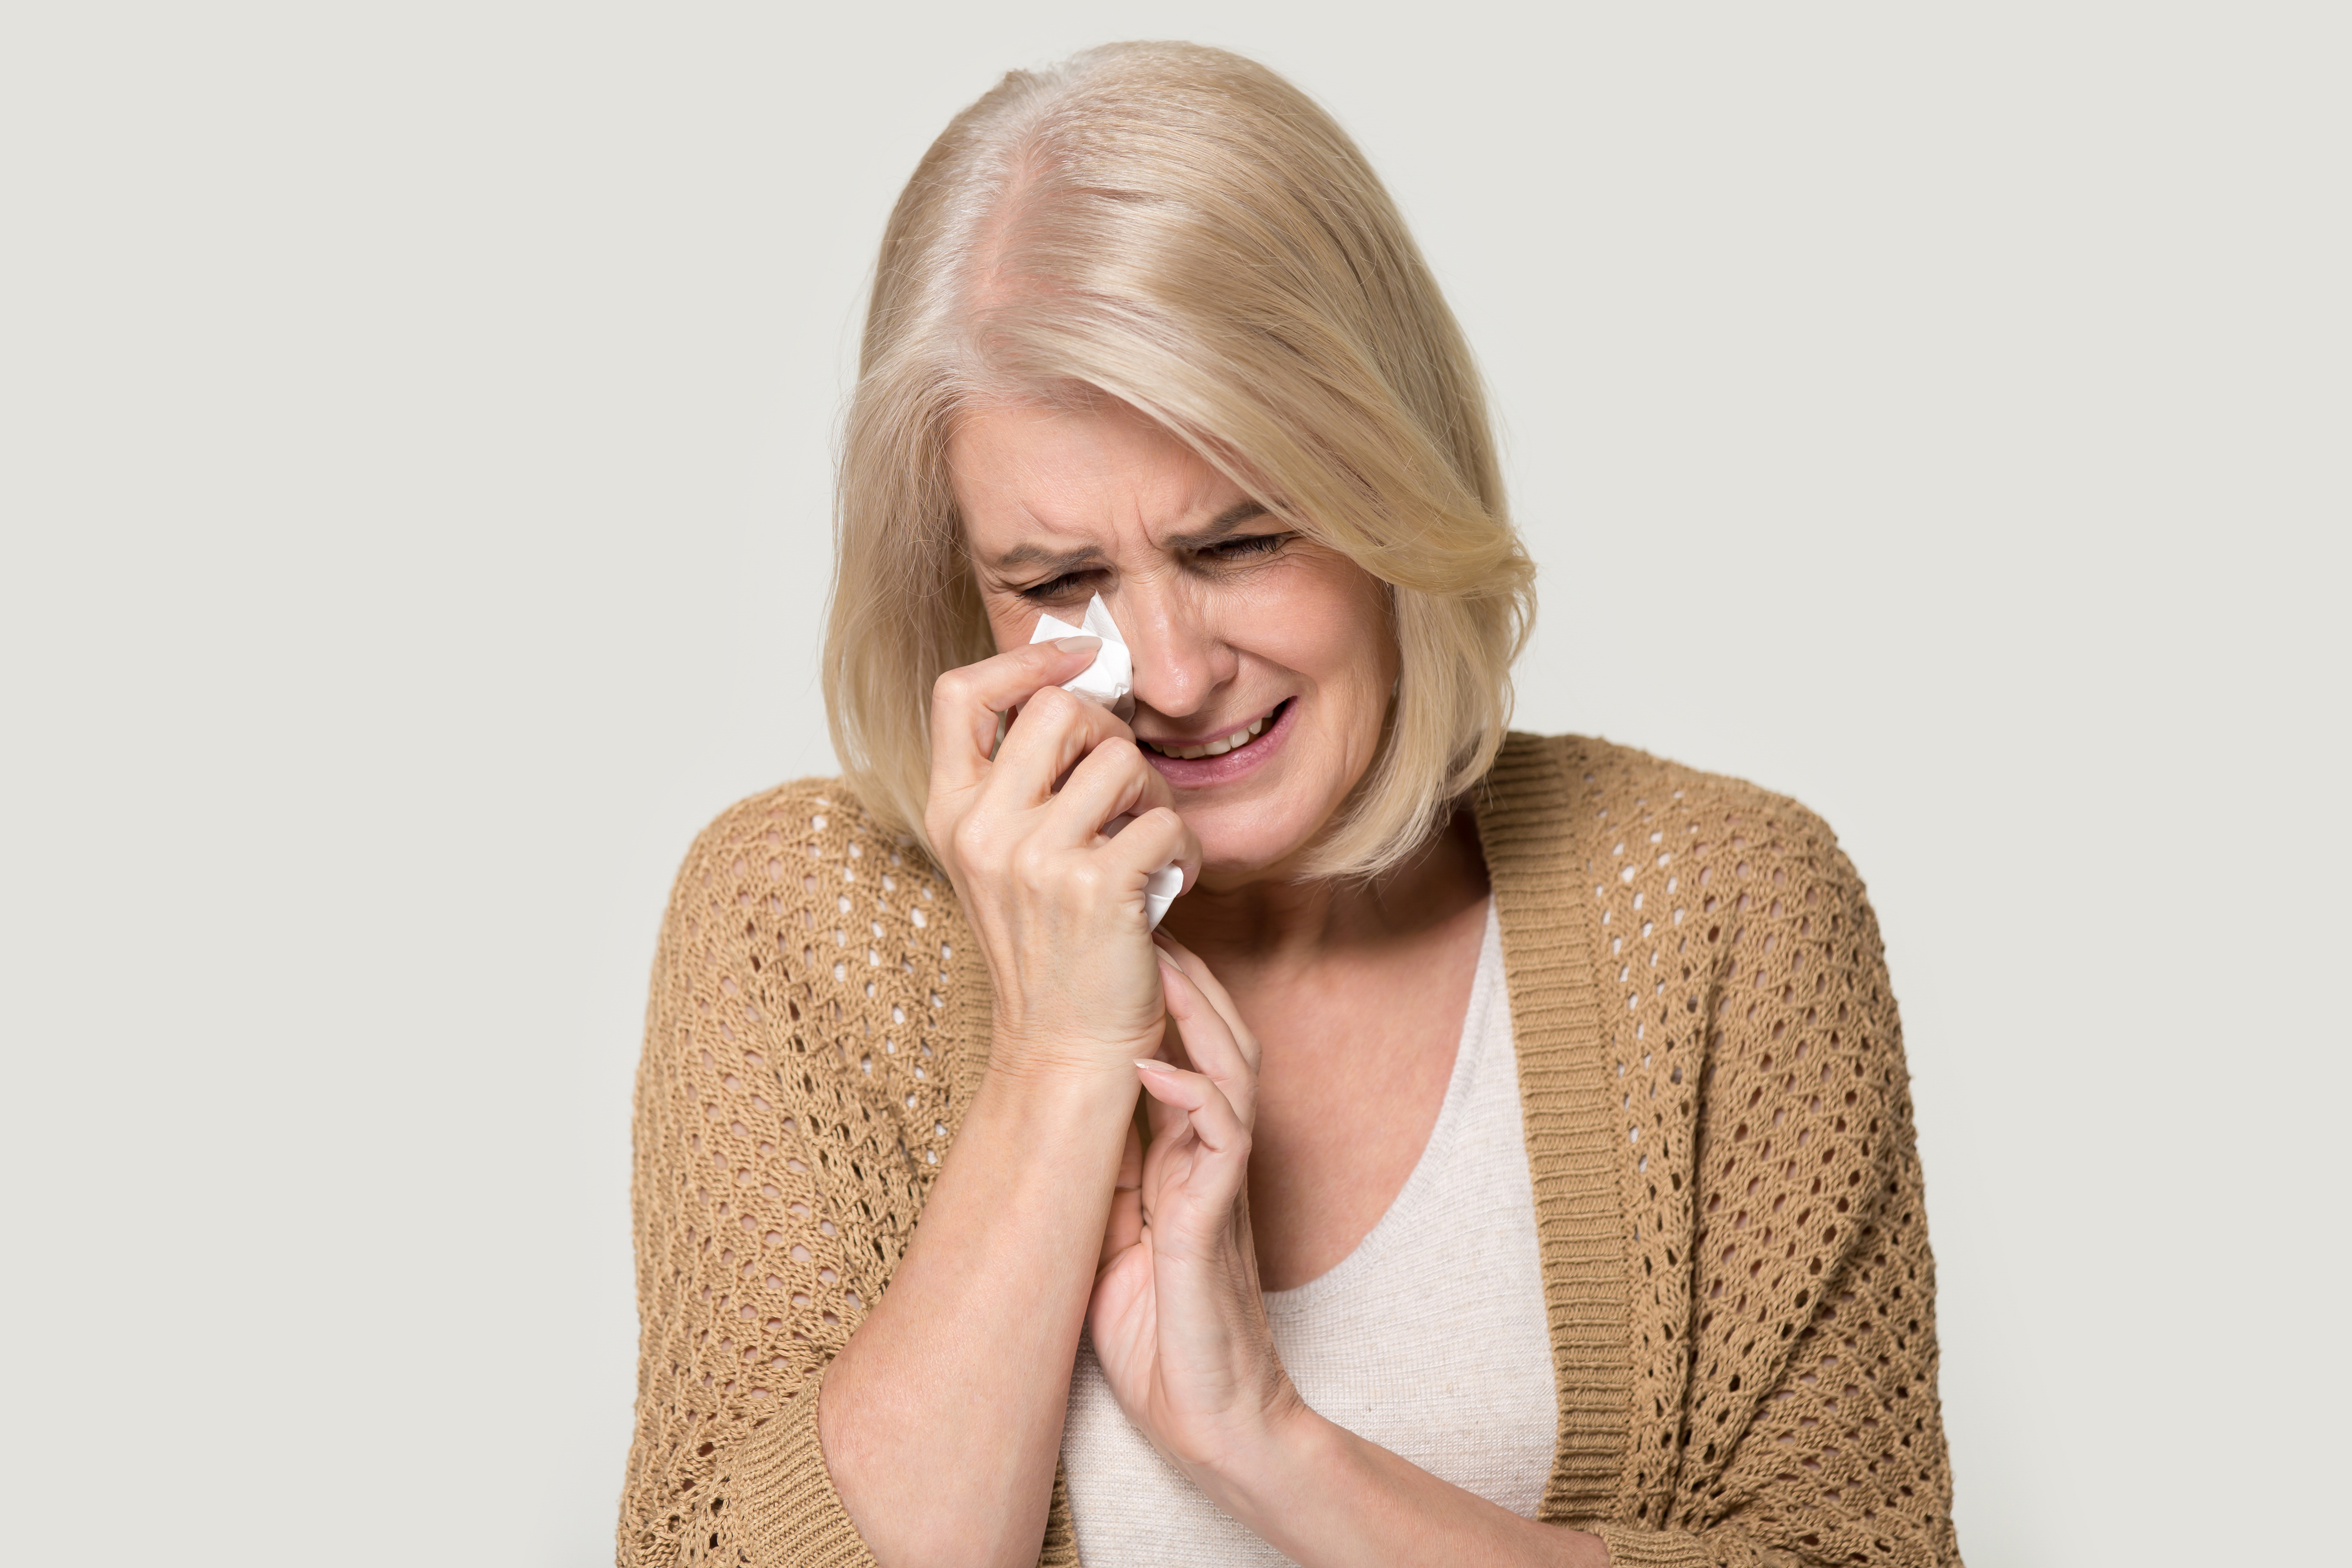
(1270, 1464)
(1052, 1085)
(1064, 1061)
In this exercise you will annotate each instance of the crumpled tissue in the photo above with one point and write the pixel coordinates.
(1110, 680)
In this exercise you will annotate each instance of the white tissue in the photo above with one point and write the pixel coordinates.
(1111, 676)
(1110, 680)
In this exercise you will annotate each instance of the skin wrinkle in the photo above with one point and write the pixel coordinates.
(1050, 564)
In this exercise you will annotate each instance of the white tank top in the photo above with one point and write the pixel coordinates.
(1429, 1339)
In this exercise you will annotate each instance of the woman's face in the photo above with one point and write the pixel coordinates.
(1238, 625)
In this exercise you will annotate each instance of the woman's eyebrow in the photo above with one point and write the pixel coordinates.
(1039, 555)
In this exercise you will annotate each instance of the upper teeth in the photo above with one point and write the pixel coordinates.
(1217, 748)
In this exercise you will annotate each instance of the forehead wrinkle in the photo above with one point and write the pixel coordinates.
(1138, 497)
(1035, 552)
(1030, 552)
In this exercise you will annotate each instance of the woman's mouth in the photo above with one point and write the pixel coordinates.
(1220, 745)
(1224, 758)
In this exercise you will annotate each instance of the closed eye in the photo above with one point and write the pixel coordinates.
(1067, 586)
(1077, 583)
(1245, 547)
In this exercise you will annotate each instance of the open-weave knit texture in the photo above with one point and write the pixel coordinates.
(1718, 1131)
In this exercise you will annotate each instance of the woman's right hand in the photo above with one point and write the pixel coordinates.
(942, 1418)
(1057, 907)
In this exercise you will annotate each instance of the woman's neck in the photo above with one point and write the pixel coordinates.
(1278, 923)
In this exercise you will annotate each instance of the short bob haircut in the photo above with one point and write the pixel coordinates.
(1182, 230)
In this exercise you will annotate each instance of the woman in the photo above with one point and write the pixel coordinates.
(1522, 1171)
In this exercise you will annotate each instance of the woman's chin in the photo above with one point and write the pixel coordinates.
(1247, 854)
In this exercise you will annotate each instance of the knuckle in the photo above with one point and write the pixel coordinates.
(971, 837)
(1055, 705)
(1033, 864)
(953, 686)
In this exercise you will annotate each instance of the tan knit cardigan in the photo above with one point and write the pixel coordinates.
(1719, 1127)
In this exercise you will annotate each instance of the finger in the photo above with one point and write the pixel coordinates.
(1053, 733)
(1197, 971)
(1209, 1042)
(1112, 781)
(1157, 838)
(1211, 1120)
(1161, 1120)
(967, 702)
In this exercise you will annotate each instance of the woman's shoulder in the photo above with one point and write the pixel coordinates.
(799, 811)
(801, 844)
(803, 932)
(804, 887)
(1643, 813)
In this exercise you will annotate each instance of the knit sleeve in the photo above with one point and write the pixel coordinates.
(1793, 1290)
(774, 1183)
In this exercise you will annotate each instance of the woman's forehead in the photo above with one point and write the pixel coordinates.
(1035, 482)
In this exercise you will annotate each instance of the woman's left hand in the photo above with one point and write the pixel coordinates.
(1176, 1316)
(1181, 1331)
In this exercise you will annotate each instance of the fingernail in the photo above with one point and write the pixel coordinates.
(1149, 1064)
(1085, 642)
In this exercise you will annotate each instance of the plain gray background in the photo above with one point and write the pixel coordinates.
(415, 439)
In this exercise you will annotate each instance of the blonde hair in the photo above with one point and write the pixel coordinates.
(1180, 230)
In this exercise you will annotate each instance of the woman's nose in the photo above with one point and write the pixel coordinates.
(1180, 658)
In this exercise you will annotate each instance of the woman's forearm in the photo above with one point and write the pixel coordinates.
(1324, 1496)
(942, 1416)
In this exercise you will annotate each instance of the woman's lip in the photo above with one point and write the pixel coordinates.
(1252, 730)
(1203, 773)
